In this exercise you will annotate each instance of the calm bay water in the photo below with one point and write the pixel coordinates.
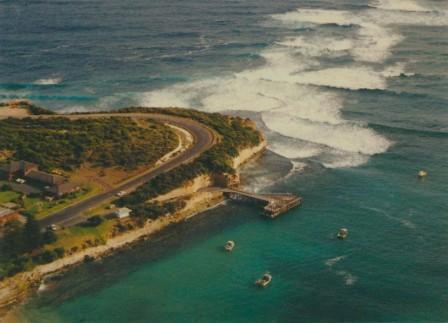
(353, 98)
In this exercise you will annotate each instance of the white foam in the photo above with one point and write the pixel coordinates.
(392, 18)
(333, 261)
(316, 16)
(295, 150)
(349, 279)
(344, 160)
(400, 5)
(374, 43)
(48, 81)
(309, 116)
(351, 77)
(288, 89)
(317, 46)
(347, 136)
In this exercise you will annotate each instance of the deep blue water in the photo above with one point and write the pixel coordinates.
(353, 98)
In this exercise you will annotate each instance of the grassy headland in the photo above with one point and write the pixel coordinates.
(60, 143)
(235, 134)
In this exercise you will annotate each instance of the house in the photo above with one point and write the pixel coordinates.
(8, 215)
(14, 168)
(55, 184)
(45, 178)
(64, 189)
(10, 205)
(123, 212)
(28, 170)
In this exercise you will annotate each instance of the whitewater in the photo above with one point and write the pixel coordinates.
(294, 93)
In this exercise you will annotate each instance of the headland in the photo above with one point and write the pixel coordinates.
(195, 170)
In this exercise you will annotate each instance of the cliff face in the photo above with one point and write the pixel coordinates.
(249, 153)
(187, 189)
(205, 181)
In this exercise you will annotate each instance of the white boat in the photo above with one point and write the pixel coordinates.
(229, 245)
(264, 281)
(342, 234)
(422, 174)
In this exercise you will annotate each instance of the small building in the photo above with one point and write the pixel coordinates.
(8, 215)
(45, 178)
(123, 212)
(14, 168)
(62, 189)
(28, 170)
(10, 205)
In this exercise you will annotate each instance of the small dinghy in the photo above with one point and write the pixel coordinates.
(342, 234)
(229, 245)
(422, 174)
(264, 281)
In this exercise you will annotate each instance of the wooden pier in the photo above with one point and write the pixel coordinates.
(273, 204)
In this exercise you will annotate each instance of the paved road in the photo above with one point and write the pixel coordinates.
(203, 139)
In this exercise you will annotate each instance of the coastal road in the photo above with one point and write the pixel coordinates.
(203, 139)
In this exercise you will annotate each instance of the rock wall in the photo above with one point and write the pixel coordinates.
(187, 189)
(249, 153)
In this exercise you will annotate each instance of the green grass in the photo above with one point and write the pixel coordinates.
(60, 143)
(58, 205)
(8, 196)
(75, 236)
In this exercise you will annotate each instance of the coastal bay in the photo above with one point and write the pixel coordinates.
(351, 96)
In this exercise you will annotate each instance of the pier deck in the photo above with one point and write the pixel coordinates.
(273, 204)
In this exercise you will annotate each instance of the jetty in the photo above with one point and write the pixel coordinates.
(273, 204)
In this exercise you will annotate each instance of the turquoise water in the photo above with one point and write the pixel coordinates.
(352, 96)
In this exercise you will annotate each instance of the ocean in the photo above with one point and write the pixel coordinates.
(353, 98)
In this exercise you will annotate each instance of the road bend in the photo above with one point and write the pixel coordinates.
(203, 139)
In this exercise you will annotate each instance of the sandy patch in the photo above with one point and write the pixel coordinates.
(13, 112)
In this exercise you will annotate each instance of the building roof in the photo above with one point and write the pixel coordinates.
(9, 205)
(18, 165)
(45, 177)
(123, 212)
(64, 188)
(6, 212)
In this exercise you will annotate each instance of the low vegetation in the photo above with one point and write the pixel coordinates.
(21, 247)
(60, 143)
(235, 134)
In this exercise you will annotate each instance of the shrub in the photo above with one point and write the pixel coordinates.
(60, 251)
(93, 221)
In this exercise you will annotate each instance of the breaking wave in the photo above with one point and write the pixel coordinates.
(400, 5)
(48, 81)
(293, 91)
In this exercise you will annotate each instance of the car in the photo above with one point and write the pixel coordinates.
(121, 193)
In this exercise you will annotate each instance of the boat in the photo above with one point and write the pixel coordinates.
(229, 245)
(342, 234)
(422, 173)
(264, 281)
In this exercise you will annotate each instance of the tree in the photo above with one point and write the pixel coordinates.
(32, 235)
(49, 236)
(12, 242)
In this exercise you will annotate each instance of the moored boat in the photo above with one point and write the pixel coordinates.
(422, 174)
(342, 234)
(264, 280)
(229, 245)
